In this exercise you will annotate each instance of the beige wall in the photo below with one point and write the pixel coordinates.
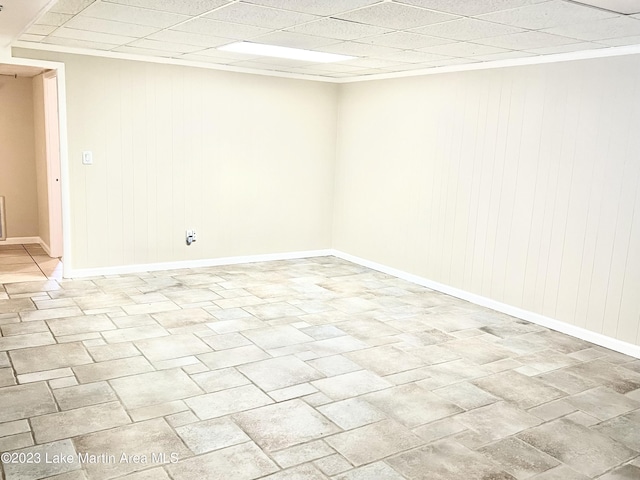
(41, 158)
(246, 160)
(517, 184)
(17, 157)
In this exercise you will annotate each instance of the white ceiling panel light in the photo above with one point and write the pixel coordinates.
(265, 50)
(626, 7)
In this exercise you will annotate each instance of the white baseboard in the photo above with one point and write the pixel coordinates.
(553, 324)
(46, 248)
(214, 262)
(20, 240)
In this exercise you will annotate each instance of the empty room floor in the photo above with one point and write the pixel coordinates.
(299, 370)
(27, 263)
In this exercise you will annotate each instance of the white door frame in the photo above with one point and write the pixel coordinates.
(52, 149)
(64, 150)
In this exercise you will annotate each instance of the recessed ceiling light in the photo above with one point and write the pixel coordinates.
(283, 52)
(626, 7)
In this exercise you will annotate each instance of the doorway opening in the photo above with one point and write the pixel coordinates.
(33, 166)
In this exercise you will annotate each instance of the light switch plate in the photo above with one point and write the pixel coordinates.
(87, 158)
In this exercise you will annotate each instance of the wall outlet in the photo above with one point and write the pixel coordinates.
(190, 236)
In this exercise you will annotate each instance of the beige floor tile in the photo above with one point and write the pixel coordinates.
(303, 472)
(58, 426)
(377, 470)
(209, 435)
(240, 462)
(351, 384)
(15, 442)
(49, 357)
(24, 401)
(131, 440)
(84, 395)
(220, 379)
(278, 373)
(152, 388)
(298, 454)
(498, 420)
(183, 318)
(82, 324)
(37, 470)
(134, 333)
(447, 460)
(172, 346)
(107, 370)
(6, 377)
(102, 353)
(233, 357)
(25, 341)
(406, 404)
(50, 314)
(373, 442)
(283, 425)
(225, 402)
(352, 413)
(582, 449)
(24, 328)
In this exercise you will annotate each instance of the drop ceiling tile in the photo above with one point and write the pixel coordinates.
(294, 40)
(360, 63)
(185, 38)
(453, 61)
(338, 29)
(70, 7)
(55, 19)
(138, 16)
(413, 56)
(248, 14)
(78, 43)
(315, 7)
(224, 55)
(358, 49)
(80, 22)
(97, 37)
(28, 37)
(404, 40)
(622, 41)
(470, 8)
(503, 56)
(196, 57)
(573, 47)
(467, 29)
(253, 65)
(148, 52)
(395, 16)
(190, 7)
(527, 40)
(548, 14)
(406, 67)
(602, 29)
(284, 62)
(221, 29)
(40, 29)
(462, 49)
(335, 67)
(370, 71)
(165, 46)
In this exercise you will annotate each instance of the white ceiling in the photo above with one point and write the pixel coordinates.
(385, 35)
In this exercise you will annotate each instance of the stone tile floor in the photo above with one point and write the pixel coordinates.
(300, 370)
(26, 263)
